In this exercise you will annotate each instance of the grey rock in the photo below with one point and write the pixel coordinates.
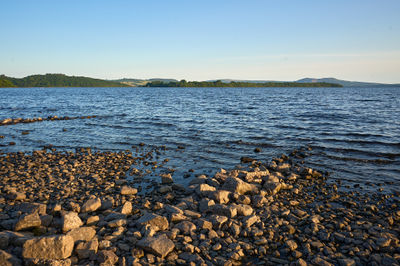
(220, 209)
(7, 259)
(237, 185)
(91, 205)
(70, 221)
(155, 221)
(160, 246)
(186, 227)
(87, 249)
(82, 233)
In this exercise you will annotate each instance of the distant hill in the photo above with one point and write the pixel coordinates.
(57, 80)
(236, 84)
(142, 82)
(346, 83)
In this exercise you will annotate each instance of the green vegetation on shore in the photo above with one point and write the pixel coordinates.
(219, 83)
(56, 80)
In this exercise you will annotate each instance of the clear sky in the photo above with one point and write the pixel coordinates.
(204, 39)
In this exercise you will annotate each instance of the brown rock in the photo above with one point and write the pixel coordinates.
(107, 257)
(87, 249)
(126, 208)
(166, 179)
(50, 247)
(186, 227)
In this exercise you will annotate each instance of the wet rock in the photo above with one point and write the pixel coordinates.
(166, 179)
(91, 205)
(28, 221)
(160, 246)
(70, 221)
(50, 247)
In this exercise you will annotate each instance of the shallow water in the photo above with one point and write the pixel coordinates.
(354, 133)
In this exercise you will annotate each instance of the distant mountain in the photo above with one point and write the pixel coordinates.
(346, 83)
(58, 80)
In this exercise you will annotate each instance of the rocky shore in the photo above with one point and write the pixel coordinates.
(13, 121)
(80, 208)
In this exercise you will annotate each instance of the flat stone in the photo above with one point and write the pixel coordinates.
(91, 205)
(156, 222)
(204, 189)
(82, 233)
(160, 246)
(7, 259)
(237, 185)
(28, 207)
(28, 221)
(70, 221)
(217, 220)
(126, 190)
(249, 220)
(50, 247)
(291, 244)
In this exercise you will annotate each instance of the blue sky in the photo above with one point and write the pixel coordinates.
(199, 40)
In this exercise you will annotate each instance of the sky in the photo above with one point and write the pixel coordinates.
(202, 40)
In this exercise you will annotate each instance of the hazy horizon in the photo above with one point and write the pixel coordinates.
(207, 40)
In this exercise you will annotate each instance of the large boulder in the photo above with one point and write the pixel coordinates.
(50, 247)
(82, 233)
(160, 246)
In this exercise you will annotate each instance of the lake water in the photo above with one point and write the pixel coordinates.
(354, 133)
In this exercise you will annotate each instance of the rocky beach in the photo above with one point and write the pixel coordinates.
(88, 207)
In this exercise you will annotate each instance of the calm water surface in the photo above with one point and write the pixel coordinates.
(353, 132)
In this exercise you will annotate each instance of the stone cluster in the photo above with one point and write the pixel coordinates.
(78, 208)
(13, 121)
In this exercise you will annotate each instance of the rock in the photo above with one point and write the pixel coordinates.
(166, 179)
(228, 211)
(291, 244)
(204, 224)
(28, 207)
(218, 220)
(48, 262)
(192, 214)
(156, 222)
(50, 247)
(273, 187)
(15, 195)
(204, 189)
(186, 227)
(205, 204)
(107, 257)
(243, 209)
(117, 223)
(250, 220)
(87, 249)
(125, 190)
(220, 196)
(7, 259)
(127, 208)
(4, 240)
(237, 185)
(160, 246)
(347, 262)
(301, 262)
(92, 220)
(70, 221)
(320, 261)
(82, 233)
(91, 205)
(172, 209)
(28, 221)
